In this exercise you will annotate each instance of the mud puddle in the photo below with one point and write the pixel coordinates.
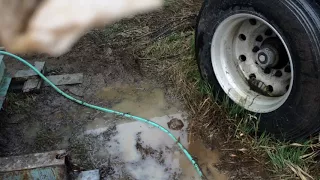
(135, 150)
(143, 100)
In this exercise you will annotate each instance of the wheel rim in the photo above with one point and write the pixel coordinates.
(252, 63)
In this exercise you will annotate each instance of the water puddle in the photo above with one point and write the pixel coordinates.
(206, 159)
(143, 101)
(139, 151)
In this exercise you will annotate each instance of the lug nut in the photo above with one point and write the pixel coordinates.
(287, 69)
(278, 74)
(267, 70)
(262, 58)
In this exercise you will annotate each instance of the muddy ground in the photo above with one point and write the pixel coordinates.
(116, 76)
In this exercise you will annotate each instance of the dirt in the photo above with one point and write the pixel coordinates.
(114, 78)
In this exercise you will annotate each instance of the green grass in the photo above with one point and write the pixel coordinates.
(280, 155)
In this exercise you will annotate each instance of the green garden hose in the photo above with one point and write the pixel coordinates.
(188, 155)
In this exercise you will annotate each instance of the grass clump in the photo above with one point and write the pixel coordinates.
(19, 103)
(280, 156)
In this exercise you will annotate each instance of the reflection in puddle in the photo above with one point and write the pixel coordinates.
(141, 101)
(140, 151)
(206, 159)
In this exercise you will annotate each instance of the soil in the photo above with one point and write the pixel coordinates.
(113, 78)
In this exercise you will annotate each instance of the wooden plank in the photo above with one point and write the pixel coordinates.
(30, 79)
(32, 85)
(40, 66)
(24, 75)
(66, 79)
(31, 161)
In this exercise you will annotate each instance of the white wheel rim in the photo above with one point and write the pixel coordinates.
(269, 86)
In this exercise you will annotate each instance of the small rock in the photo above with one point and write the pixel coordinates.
(109, 51)
(175, 124)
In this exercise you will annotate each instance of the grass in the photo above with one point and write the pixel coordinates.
(281, 155)
(21, 103)
(173, 58)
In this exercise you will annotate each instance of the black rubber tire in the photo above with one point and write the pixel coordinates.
(298, 21)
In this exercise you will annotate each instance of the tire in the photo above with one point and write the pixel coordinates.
(297, 24)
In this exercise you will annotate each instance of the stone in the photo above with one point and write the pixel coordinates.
(175, 124)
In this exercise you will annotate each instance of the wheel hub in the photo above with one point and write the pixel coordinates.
(252, 62)
(267, 57)
(262, 56)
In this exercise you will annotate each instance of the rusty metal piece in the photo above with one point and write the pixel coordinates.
(34, 166)
(31, 161)
(258, 86)
(61, 156)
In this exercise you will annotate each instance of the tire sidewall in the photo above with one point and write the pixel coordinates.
(300, 113)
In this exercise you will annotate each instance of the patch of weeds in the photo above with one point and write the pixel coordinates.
(283, 158)
(176, 6)
(170, 46)
(234, 110)
(161, 57)
(294, 158)
(19, 103)
(280, 156)
(204, 87)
